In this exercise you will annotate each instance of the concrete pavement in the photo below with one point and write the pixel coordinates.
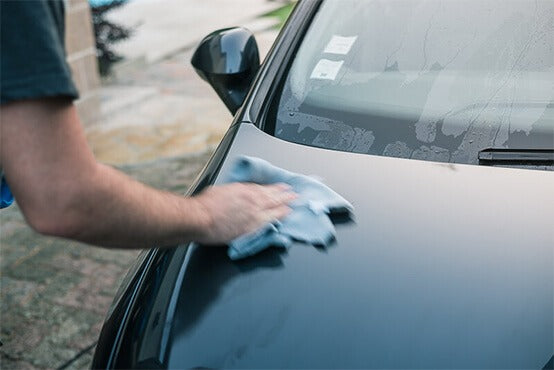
(159, 124)
(165, 27)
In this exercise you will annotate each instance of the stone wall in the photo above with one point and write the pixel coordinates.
(81, 56)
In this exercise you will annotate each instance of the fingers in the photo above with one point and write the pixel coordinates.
(276, 213)
(276, 195)
(281, 186)
(241, 208)
(284, 197)
(274, 191)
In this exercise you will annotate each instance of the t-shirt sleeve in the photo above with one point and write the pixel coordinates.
(32, 54)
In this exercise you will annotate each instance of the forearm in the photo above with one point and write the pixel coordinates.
(104, 207)
(63, 191)
(112, 210)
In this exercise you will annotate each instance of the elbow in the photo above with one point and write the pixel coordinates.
(51, 224)
(63, 215)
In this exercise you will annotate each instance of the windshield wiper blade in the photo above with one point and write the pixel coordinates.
(516, 156)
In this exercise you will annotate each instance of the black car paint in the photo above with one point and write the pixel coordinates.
(163, 273)
(449, 289)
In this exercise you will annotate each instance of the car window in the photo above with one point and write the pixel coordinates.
(435, 80)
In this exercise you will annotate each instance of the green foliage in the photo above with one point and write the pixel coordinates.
(281, 13)
(107, 33)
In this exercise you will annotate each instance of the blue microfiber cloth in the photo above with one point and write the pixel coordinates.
(308, 222)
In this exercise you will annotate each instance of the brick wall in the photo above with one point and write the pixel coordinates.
(81, 56)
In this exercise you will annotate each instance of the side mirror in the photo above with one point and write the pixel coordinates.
(228, 60)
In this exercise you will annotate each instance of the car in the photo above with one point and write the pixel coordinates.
(435, 119)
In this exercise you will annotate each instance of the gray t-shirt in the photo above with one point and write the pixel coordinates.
(33, 63)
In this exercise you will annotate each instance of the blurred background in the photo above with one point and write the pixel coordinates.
(144, 111)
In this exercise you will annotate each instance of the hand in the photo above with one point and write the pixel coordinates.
(241, 208)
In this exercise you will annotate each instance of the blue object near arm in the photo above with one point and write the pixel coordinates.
(308, 222)
(6, 197)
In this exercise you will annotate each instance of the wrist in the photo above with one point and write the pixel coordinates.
(202, 216)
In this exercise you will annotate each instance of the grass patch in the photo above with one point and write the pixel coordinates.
(281, 14)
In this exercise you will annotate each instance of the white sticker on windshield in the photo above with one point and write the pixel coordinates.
(326, 69)
(340, 45)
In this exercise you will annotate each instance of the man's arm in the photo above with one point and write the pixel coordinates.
(63, 191)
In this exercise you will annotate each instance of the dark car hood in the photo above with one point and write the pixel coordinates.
(444, 266)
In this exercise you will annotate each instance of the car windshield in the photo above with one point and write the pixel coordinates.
(433, 80)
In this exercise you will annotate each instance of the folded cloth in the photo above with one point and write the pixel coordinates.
(308, 221)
